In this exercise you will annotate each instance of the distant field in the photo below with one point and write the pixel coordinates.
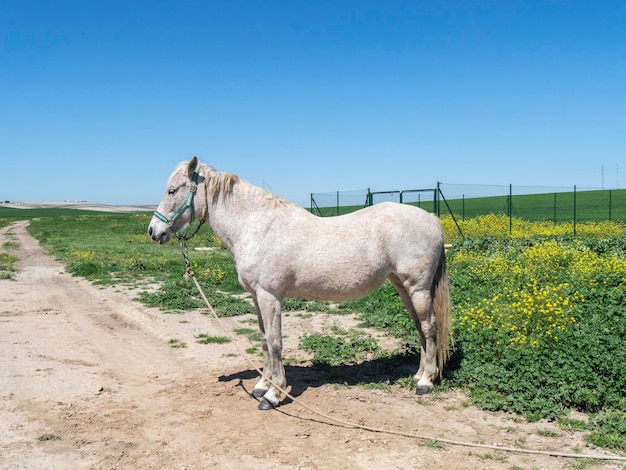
(558, 207)
(10, 214)
(21, 214)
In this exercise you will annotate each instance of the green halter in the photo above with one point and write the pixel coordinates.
(188, 204)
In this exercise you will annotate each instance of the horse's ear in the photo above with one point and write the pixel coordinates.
(192, 165)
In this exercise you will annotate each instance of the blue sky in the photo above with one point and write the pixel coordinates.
(99, 100)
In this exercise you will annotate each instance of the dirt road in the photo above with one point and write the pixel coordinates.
(91, 373)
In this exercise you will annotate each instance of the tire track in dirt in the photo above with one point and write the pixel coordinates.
(77, 368)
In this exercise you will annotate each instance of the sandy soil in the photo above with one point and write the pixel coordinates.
(93, 368)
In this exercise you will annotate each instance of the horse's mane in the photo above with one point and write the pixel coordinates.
(220, 186)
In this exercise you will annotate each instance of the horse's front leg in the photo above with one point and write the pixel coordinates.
(268, 310)
(263, 385)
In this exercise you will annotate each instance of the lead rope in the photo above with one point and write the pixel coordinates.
(189, 274)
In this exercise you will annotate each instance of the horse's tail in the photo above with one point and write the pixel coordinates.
(440, 293)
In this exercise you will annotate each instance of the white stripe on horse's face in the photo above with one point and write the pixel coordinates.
(177, 187)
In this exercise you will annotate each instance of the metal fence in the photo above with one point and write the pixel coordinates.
(461, 201)
(338, 202)
(556, 204)
(343, 202)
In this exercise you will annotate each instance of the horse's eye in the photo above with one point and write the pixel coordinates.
(171, 191)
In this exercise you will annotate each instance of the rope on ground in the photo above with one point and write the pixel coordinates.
(391, 431)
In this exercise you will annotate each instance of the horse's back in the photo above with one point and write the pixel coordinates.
(413, 238)
(397, 225)
(350, 255)
(394, 212)
(388, 230)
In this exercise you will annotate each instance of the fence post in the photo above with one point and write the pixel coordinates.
(574, 210)
(463, 208)
(337, 202)
(437, 208)
(510, 209)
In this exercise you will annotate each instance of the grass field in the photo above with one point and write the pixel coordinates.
(11, 214)
(556, 207)
(539, 317)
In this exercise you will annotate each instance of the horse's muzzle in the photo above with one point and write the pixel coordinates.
(160, 237)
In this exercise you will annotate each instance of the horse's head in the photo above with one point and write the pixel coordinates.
(177, 209)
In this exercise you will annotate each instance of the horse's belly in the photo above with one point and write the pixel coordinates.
(335, 287)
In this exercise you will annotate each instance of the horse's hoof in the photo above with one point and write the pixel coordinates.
(265, 405)
(423, 389)
(258, 393)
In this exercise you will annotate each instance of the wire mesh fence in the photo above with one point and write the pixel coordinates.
(338, 202)
(463, 201)
(556, 204)
(343, 202)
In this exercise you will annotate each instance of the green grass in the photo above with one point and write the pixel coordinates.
(433, 444)
(571, 424)
(547, 433)
(331, 351)
(252, 334)
(489, 456)
(609, 429)
(204, 338)
(8, 265)
(291, 304)
(11, 214)
(557, 207)
(176, 343)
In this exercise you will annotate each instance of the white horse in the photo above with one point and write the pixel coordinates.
(281, 250)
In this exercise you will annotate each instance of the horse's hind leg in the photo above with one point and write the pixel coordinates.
(425, 318)
(269, 314)
(419, 304)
